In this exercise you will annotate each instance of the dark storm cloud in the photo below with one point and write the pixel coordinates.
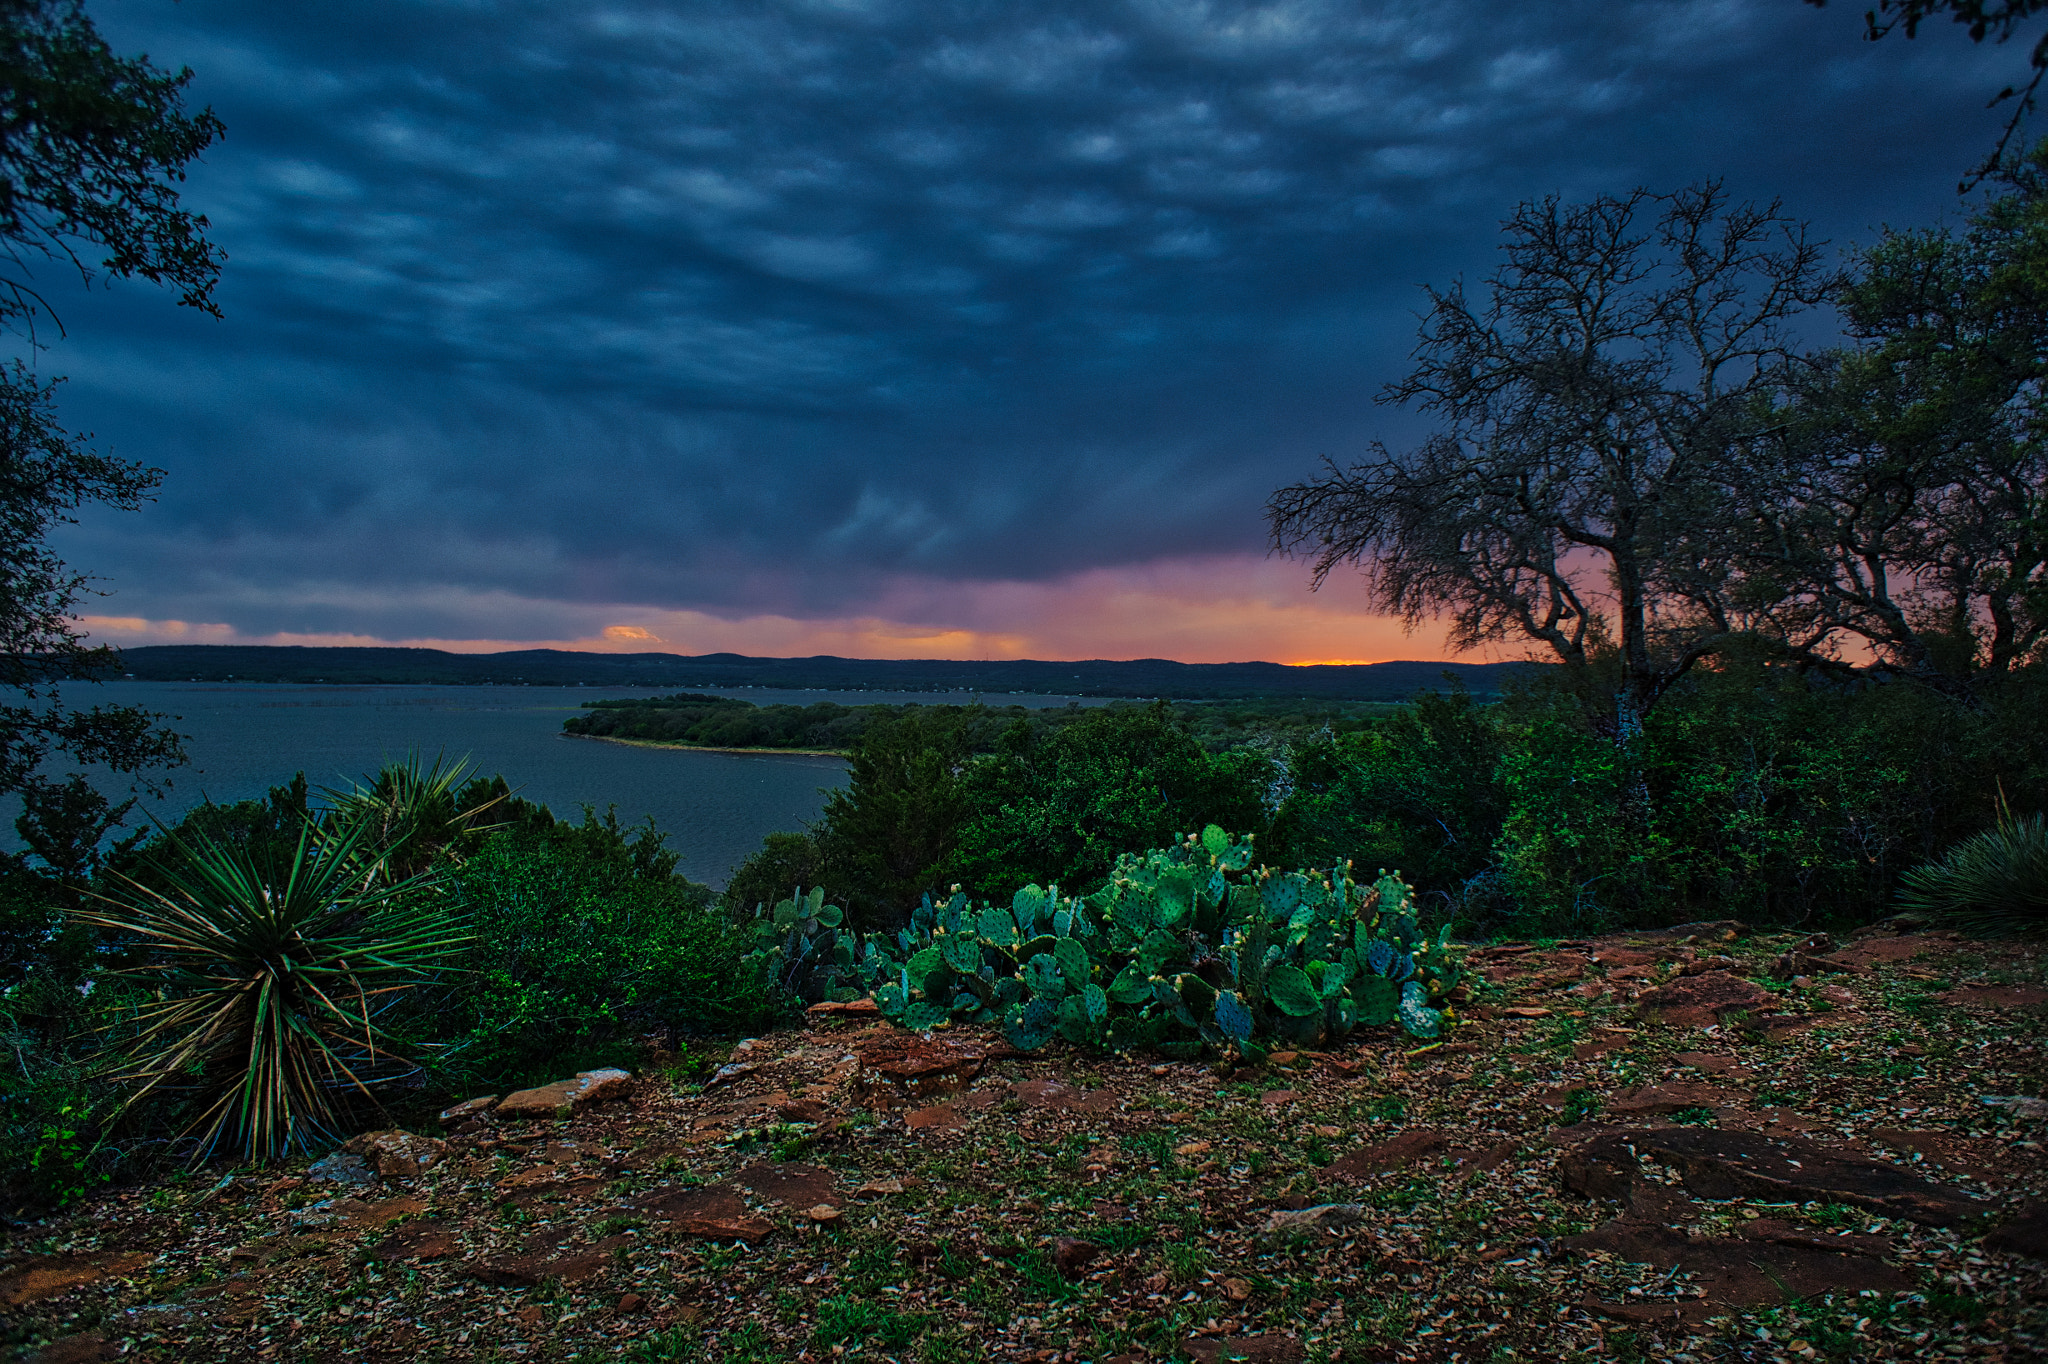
(760, 306)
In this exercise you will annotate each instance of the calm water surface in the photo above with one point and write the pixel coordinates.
(715, 807)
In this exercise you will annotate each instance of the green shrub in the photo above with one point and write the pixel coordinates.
(584, 940)
(1063, 804)
(1419, 790)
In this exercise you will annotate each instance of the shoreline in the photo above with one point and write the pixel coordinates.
(707, 748)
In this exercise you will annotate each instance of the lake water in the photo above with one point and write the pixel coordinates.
(715, 807)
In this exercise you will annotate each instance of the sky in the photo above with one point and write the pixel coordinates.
(881, 328)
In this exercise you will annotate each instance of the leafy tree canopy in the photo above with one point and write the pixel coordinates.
(93, 146)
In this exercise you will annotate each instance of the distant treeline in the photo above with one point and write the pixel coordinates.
(1144, 677)
(728, 722)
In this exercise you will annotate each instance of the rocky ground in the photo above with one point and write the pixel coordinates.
(1631, 1149)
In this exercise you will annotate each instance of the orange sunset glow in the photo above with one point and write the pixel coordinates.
(1209, 610)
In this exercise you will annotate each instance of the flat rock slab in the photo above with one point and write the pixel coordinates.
(2025, 1235)
(715, 1210)
(1722, 1165)
(1054, 1094)
(1738, 1272)
(564, 1096)
(910, 1064)
(1403, 1149)
(419, 1241)
(1996, 997)
(46, 1276)
(90, 1347)
(795, 1186)
(1252, 1349)
(1674, 1097)
(1977, 1157)
(1695, 1001)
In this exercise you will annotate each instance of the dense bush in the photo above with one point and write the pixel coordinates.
(583, 941)
(577, 940)
(1754, 792)
(939, 795)
(1418, 790)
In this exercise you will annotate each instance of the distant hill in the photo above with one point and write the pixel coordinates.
(1144, 677)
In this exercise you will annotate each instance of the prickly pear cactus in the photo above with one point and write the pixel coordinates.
(1186, 948)
(803, 947)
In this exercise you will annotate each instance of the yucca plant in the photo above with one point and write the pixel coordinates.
(269, 980)
(1994, 884)
(410, 811)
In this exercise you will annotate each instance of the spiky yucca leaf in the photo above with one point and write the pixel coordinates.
(408, 811)
(269, 980)
(1995, 883)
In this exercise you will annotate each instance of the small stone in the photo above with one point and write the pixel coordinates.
(340, 1168)
(1274, 1098)
(631, 1303)
(2019, 1105)
(938, 1115)
(877, 1188)
(1237, 1290)
(1070, 1253)
(726, 1074)
(398, 1154)
(1327, 1132)
(1193, 1148)
(1326, 1217)
(824, 1214)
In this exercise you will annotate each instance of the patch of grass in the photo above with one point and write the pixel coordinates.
(1122, 1236)
(1186, 1261)
(850, 1320)
(1388, 1108)
(1696, 1116)
(1580, 1104)
(1045, 1281)
(1963, 1307)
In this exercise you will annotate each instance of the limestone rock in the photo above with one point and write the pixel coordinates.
(469, 1108)
(1698, 1000)
(343, 1167)
(1719, 1165)
(398, 1154)
(564, 1096)
(1405, 1148)
(1328, 1217)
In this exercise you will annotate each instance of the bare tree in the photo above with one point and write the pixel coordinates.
(1592, 405)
